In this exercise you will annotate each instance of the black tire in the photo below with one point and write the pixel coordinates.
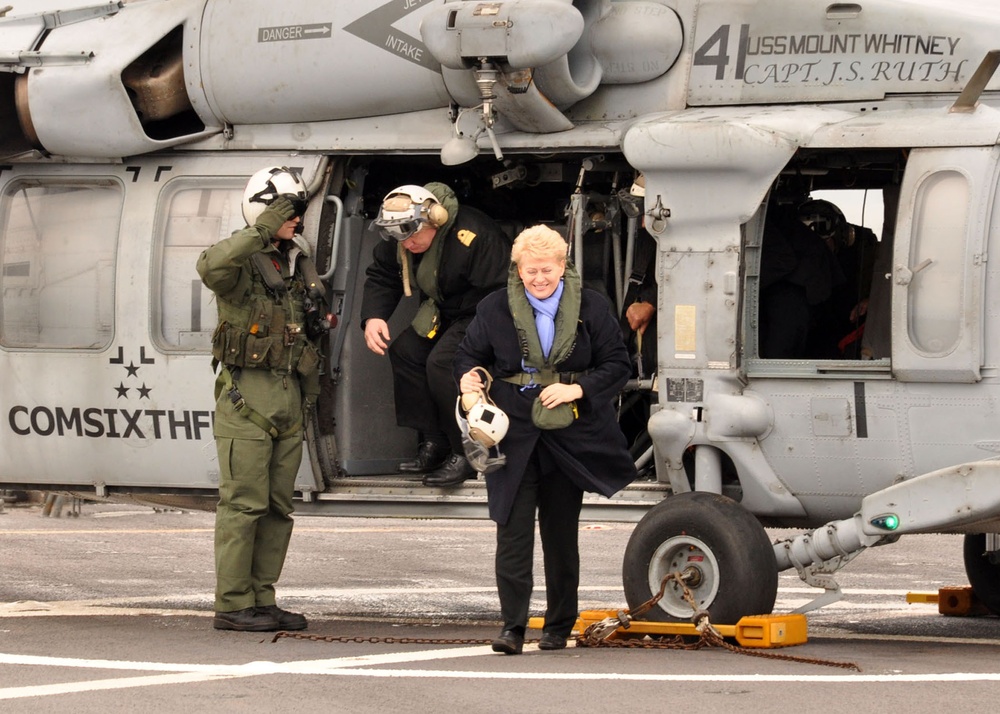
(984, 576)
(720, 541)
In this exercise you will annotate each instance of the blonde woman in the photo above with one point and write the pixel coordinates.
(556, 353)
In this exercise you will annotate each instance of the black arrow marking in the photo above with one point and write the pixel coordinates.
(376, 28)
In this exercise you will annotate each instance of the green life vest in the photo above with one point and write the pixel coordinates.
(567, 317)
(428, 317)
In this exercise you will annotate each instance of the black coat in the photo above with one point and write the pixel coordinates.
(467, 273)
(591, 451)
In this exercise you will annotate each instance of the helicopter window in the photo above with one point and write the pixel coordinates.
(816, 268)
(59, 242)
(194, 216)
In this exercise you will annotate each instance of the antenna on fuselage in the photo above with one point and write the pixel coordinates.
(969, 98)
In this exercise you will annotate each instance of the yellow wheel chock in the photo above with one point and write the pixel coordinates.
(958, 602)
(762, 631)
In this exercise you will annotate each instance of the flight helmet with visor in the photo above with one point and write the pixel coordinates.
(268, 184)
(407, 209)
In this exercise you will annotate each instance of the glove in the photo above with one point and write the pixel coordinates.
(275, 215)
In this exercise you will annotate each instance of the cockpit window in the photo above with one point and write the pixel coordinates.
(59, 242)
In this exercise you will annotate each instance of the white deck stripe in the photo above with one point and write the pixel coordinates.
(348, 666)
(48, 690)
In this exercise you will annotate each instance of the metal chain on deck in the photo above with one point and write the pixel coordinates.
(386, 640)
(597, 635)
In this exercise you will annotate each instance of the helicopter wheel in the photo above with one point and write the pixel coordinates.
(720, 549)
(984, 575)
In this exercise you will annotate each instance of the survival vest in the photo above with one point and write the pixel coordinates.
(566, 321)
(266, 329)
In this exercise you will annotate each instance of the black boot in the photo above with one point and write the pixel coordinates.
(430, 455)
(246, 620)
(286, 620)
(455, 470)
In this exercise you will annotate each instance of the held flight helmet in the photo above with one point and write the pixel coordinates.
(483, 425)
(406, 209)
(266, 185)
(478, 454)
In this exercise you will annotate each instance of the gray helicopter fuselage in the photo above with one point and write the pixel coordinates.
(128, 129)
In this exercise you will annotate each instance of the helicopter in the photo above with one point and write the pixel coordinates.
(128, 130)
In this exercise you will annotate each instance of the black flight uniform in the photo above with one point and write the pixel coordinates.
(472, 257)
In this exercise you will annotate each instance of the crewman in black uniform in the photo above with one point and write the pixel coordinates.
(797, 276)
(638, 319)
(638, 323)
(840, 324)
(455, 256)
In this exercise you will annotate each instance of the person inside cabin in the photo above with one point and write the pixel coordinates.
(453, 256)
(839, 322)
(639, 316)
(797, 277)
(638, 325)
(556, 354)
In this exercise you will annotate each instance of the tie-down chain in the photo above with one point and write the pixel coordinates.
(599, 634)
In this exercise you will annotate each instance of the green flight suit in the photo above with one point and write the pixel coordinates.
(266, 353)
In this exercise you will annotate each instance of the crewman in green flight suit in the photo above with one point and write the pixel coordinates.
(267, 292)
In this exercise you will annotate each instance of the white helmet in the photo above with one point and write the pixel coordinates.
(266, 185)
(406, 209)
(482, 427)
(477, 452)
(488, 423)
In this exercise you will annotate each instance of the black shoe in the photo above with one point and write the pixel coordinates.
(247, 620)
(551, 641)
(455, 470)
(509, 642)
(430, 455)
(286, 620)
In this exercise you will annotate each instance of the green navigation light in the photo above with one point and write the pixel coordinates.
(889, 522)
